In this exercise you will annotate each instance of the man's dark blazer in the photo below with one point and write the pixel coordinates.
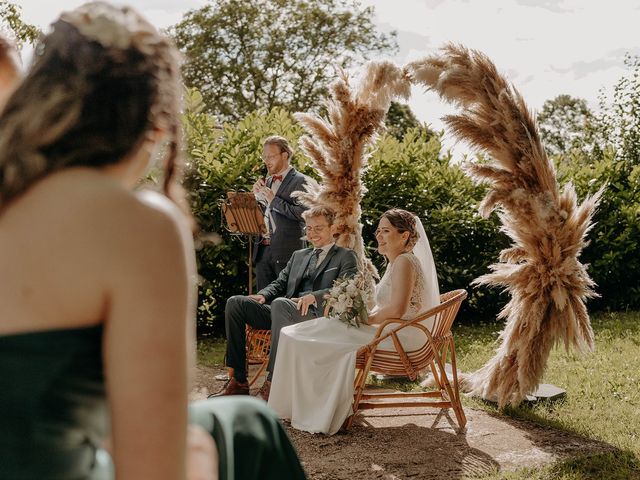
(339, 263)
(286, 213)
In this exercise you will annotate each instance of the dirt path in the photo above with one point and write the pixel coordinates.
(411, 444)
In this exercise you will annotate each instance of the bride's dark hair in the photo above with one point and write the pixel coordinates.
(403, 221)
(87, 101)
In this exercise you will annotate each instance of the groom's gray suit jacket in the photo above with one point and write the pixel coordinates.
(340, 262)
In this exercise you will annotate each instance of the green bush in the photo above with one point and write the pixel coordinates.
(411, 173)
(221, 159)
(612, 254)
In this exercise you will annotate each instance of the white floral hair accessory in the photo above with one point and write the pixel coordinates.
(120, 28)
(112, 27)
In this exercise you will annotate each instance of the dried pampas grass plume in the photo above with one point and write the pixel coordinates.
(338, 147)
(548, 228)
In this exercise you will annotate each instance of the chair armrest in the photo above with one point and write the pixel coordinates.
(379, 336)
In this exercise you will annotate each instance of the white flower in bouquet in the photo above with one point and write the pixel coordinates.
(348, 299)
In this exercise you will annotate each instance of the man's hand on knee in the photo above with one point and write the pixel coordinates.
(305, 302)
(258, 298)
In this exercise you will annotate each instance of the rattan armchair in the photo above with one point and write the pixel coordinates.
(258, 343)
(432, 354)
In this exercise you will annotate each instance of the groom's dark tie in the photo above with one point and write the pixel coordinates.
(313, 263)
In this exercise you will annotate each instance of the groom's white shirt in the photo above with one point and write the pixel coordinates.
(323, 253)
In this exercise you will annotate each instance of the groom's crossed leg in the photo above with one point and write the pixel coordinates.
(284, 312)
(241, 311)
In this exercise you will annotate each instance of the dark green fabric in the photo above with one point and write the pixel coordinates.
(53, 414)
(251, 442)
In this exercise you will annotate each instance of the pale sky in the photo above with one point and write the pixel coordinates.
(546, 47)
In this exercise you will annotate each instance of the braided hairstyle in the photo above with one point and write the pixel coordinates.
(101, 80)
(403, 221)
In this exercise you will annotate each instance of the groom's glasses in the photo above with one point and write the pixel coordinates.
(319, 228)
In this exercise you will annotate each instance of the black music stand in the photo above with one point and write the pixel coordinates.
(244, 217)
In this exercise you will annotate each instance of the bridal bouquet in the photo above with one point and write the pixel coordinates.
(348, 299)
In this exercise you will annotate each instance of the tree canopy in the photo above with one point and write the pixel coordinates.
(243, 55)
(11, 22)
(565, 123)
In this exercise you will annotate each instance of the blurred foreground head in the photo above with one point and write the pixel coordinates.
(103, 82)
(9, 69)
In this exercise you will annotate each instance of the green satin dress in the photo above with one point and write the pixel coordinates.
(53, 412)
(54, 418)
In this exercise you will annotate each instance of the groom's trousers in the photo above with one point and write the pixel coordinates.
(242, 311)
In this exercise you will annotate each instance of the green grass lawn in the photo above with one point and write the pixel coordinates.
(602, 402)
(211, 351)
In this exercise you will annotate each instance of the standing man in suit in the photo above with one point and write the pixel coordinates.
(282, 213)
(296, 295)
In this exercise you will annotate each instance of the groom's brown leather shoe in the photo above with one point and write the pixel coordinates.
(264, 391)
(233, 387)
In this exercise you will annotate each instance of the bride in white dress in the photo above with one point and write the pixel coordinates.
(315, 367)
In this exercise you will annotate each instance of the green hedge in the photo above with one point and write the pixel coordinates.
(411, 173)
(612, 254)
(221, 159)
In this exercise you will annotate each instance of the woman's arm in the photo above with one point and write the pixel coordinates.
(148, 340)
(402, 281)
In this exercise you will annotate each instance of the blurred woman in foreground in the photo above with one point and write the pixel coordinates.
(97, 283)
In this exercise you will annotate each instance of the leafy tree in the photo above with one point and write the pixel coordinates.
(565, 123)
(620, 121)
(243, 55)
(11, 20)
(400, 119)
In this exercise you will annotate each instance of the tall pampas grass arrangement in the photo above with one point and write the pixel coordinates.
(338, 147)
(548, 227)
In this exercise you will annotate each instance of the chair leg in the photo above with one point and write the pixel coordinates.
(457, 408)
(360, 381)
(263, 365)
(436, 377)
(455, 402)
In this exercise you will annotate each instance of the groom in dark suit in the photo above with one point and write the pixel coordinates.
(296, 295)
(282, 213)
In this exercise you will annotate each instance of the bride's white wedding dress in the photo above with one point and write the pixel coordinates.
(315, 368)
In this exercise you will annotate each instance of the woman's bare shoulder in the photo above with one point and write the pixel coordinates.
(97, 208)
(406, 259)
